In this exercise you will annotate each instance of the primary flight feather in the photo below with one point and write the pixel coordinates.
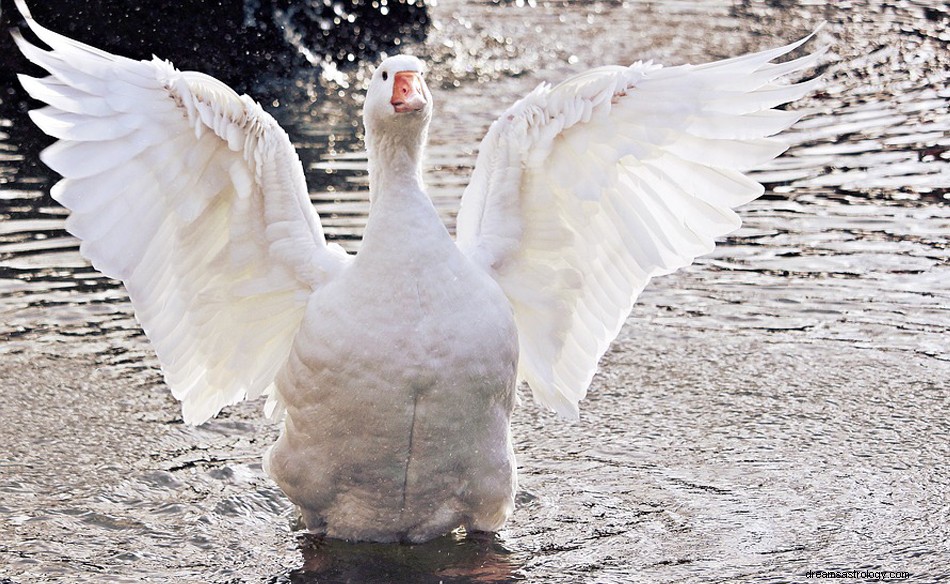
(394, 370)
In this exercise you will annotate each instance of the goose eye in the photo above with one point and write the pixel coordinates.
(385, 76)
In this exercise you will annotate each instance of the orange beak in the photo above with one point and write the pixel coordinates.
(408, 92)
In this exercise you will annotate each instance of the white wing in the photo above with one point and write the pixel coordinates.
(583, 192)
(195, 198)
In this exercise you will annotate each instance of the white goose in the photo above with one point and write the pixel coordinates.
(394, 370)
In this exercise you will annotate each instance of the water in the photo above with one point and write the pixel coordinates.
(778, 407)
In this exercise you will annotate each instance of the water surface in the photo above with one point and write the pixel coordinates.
(778, 407)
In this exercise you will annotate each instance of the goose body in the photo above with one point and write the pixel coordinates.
(419, 443)
(403, 432)
(394, 371)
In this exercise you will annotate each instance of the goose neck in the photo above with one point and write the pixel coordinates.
(395, 164)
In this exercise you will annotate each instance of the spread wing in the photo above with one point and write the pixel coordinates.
(583, 192)
(194, 197)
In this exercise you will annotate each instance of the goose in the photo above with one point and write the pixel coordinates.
(394, 371)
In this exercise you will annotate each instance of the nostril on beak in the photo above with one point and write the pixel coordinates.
(408, 92)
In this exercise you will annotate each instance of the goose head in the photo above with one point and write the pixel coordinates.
(398, 104)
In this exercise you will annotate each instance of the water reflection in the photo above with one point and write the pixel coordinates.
(478, 558)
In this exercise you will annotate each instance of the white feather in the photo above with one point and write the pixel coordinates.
(615, 176)
(194, 197)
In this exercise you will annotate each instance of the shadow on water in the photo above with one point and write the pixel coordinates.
(457, 558)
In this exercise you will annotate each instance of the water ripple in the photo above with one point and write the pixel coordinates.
(778, 407)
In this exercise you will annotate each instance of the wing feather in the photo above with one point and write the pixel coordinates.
(583, 192)
(195, 199)
(70, 126)
(64, 97)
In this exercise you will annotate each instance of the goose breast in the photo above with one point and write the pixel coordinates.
(395, 413)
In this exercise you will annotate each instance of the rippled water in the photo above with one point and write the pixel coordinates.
(778, 407)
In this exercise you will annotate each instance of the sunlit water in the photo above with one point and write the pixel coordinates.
(779, 407)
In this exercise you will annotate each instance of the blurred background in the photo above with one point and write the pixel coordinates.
(241, 42)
